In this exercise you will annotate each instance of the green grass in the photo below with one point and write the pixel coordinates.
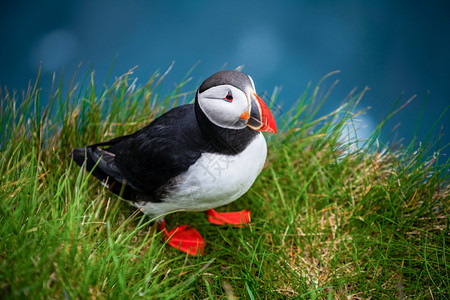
(328, 220)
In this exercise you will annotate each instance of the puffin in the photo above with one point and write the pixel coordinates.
(195, 157)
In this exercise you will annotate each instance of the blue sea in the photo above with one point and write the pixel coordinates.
(396, 48)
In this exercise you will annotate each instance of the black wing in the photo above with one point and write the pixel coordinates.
(145, 161)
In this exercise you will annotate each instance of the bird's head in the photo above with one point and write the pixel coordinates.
(229, 100)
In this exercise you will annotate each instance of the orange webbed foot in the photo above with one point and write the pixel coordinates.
(184, 238)
(237, 219)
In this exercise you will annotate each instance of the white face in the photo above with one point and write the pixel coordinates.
(224, 105)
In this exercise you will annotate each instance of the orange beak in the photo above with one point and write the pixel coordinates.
(260, 117)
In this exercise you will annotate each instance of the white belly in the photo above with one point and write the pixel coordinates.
(214, 180)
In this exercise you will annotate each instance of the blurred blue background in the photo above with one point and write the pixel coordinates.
(393, 47)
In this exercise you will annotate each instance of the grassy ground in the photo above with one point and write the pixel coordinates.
(328, 220)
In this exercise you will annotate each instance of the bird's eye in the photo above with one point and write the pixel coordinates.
(229, 97)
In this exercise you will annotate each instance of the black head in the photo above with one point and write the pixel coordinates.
(229, 100)
(237, 79)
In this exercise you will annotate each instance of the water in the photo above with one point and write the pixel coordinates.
(392, 47)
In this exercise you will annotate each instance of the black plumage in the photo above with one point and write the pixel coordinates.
(142, 165)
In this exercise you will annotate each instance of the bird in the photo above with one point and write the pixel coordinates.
(195, 157)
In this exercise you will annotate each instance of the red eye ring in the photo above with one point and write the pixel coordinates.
(229, 97)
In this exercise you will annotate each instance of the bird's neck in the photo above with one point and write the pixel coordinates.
(223, 140)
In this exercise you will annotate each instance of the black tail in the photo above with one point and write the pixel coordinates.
(101, 164)
(86, 156)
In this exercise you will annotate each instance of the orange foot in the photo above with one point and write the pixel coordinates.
(237, 219)
(184, 238)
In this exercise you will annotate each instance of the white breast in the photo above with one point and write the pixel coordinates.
(214, 180)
